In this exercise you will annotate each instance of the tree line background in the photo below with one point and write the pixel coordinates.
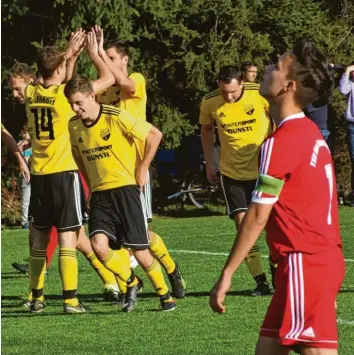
(179, 46)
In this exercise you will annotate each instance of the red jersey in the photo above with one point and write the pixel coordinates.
(296, 174)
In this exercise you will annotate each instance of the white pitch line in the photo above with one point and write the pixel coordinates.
(345, 322)
(221, 254)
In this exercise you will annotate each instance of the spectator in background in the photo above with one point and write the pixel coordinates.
(249, 72)
(25, 187)
(346, 87)
(318, 113)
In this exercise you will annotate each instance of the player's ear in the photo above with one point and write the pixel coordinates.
(290, 85)
(125, 59)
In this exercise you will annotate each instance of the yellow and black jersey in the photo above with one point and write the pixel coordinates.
(242, 126)
(48, 113)
(107, 148)
(251, 86)
(135, 105)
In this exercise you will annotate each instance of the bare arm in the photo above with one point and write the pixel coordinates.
(152, 142)
(11, 144)
(207, 133)
(125, 83)
(248, 233)
(73, 51)
(105, 77)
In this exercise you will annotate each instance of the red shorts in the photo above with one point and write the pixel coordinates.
(302, 310)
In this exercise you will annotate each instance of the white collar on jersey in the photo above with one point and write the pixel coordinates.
(292, 117)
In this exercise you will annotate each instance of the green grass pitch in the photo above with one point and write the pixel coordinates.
(199, 244)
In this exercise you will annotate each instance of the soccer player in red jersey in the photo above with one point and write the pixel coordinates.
(295, 201)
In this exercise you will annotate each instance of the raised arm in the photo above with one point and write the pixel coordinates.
(74, 48)
(124, 82)
(105, 77)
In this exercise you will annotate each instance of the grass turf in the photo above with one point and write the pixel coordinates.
(191, 330)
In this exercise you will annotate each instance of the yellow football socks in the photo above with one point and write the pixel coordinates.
(114, 262)
(36, 272)
(155, 275)
(68, 269)
(254, 263)
(158, 248)
(125, 257)
(105, 275)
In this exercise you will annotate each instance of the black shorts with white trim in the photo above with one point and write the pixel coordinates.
(119, 214)
(237, 193)
(56, 201)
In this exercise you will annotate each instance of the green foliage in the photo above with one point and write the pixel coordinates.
(179, 45)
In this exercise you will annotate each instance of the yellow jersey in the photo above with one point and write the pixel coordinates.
(107, 148)
(242, 127)
(48, 113)
(135, 105)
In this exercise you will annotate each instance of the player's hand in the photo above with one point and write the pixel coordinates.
(76, 43)
(25, 171)
(92, 45)
(99, 36)
(142, 177)
(218, 294)
(24, 144)
(213, 176)
(349, 69)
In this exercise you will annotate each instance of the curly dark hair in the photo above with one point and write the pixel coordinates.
(311, 72)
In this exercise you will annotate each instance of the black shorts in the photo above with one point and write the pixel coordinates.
(238, 194)
(118, 213)
(56, 200)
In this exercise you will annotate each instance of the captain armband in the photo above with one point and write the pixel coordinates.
(269, 185)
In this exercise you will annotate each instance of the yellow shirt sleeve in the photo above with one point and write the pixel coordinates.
(204, 116)
(140, 85)
(132, 126)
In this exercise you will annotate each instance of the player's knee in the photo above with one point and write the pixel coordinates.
(100, 246)
(144, 257)
(39, 239)
(270, 346)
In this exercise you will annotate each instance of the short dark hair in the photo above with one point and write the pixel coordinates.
(311, 72)
(246, 65)
(121, 47)
(22, 70)
(229, 72)
(78, 84)
(49, 59)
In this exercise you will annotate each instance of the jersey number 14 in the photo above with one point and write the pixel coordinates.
(43, 121)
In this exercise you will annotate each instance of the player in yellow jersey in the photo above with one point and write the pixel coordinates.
(129, 93)
(241, 117)
(103, 140)
(20, 76)
(55, 199)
